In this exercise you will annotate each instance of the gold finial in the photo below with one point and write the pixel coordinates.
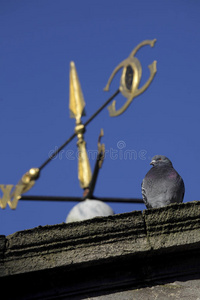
(76, 106)
(28, 179)
(130, 79)
(76, 100)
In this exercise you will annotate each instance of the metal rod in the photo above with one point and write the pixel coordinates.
(57, 151)
(78, 199)
(94, 178)
(121, 200)
(102, 107)
(51, 198)
(74, 135)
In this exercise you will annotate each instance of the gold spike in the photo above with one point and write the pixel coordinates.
(76, 106)
(76, 100)
(84, 170)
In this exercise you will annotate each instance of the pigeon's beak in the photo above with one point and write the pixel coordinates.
(152, 162)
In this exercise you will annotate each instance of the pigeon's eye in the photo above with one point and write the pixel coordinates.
(159, 158)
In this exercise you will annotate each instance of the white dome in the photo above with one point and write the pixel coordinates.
(88, 209)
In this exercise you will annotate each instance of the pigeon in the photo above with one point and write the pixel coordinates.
(162, 185)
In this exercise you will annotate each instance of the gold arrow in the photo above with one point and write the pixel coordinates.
(76, 106)
(76, 100)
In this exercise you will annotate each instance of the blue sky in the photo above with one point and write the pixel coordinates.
(38, 41)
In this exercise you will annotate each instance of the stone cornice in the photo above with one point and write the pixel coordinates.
(146, 245)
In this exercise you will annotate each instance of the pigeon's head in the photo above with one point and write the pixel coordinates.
(160, 160)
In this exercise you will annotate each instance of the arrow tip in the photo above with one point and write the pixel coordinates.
(76, 99)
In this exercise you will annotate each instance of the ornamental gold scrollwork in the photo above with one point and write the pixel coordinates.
(11, 194)
(130, 78)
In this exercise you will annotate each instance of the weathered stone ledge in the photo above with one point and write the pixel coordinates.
(154, 243)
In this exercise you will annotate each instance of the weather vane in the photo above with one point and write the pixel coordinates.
(129, 88)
